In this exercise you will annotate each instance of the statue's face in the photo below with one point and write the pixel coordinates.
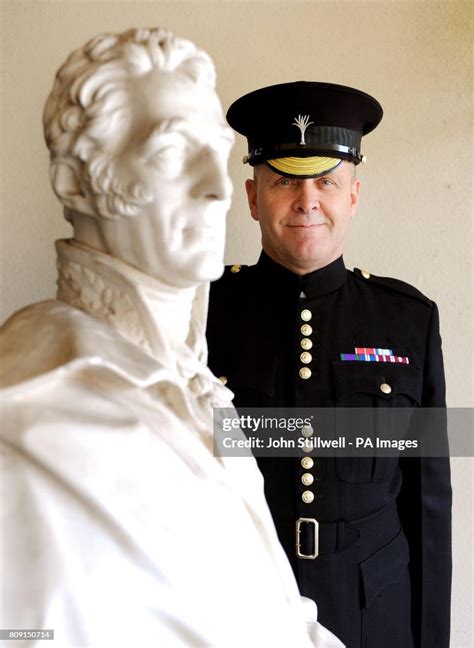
(177, 150)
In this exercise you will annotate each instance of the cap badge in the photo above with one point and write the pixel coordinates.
(302, 122)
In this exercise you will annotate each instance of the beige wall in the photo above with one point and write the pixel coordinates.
(415, 220)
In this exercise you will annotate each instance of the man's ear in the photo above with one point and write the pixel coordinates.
(251, 189)
(355, 195)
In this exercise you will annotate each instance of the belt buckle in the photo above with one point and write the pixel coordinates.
(316, 538)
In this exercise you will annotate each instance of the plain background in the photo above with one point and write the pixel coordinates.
(415, 218)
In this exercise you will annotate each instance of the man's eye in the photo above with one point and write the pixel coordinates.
(285, 182)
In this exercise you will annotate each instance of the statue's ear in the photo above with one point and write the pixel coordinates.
(65, 178)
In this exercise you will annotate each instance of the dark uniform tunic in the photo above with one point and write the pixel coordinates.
(384, 570)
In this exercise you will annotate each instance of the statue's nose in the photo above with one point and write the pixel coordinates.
(213, 182)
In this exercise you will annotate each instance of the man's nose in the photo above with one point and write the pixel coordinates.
(212, 182)
(307, 197)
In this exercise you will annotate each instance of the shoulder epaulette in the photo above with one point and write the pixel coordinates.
(235, 269)
(393, 284)
(230, 278)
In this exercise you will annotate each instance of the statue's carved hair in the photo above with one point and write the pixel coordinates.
(90, 106)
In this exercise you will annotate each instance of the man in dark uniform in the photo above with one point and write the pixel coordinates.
(368, 539)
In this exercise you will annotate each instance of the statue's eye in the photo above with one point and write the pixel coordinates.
(163, 154)
(168, 159)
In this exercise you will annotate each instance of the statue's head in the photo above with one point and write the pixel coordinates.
(139, 148)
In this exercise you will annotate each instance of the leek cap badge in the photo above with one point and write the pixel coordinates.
(302, 122)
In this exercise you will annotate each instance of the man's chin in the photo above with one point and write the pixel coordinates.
(307, 254)
(305, 259)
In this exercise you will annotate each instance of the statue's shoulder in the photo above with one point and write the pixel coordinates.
(34, 340)
(29, 324)
(52, 338)
(38, 339)
(392, 285)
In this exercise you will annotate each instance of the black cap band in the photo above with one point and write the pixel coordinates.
(319, 140)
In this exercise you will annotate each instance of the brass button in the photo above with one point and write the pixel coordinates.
(307, 479)
(307, 463)
(305, 373)
(306, 315)
(365, 274)
(306, 357)
(235, 268)
(306, 343)
(307, 431)
(307, 497)
(385, 388)
(307, 446)
(306, 329)
(223, 379)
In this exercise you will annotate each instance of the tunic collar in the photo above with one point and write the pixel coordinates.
(314, 284)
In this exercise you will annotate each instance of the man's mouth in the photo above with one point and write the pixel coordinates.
(307, 225)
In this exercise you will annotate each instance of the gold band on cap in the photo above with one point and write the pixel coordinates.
(304, 166)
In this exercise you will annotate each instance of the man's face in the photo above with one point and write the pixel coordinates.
(304, 223)
(177, 151)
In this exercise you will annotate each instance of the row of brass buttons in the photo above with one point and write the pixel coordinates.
(306, 344)
(305, 372)
(307, 463)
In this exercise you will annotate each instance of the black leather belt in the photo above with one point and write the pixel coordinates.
(315, 538)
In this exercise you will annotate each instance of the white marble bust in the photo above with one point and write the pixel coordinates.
(119, 525)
